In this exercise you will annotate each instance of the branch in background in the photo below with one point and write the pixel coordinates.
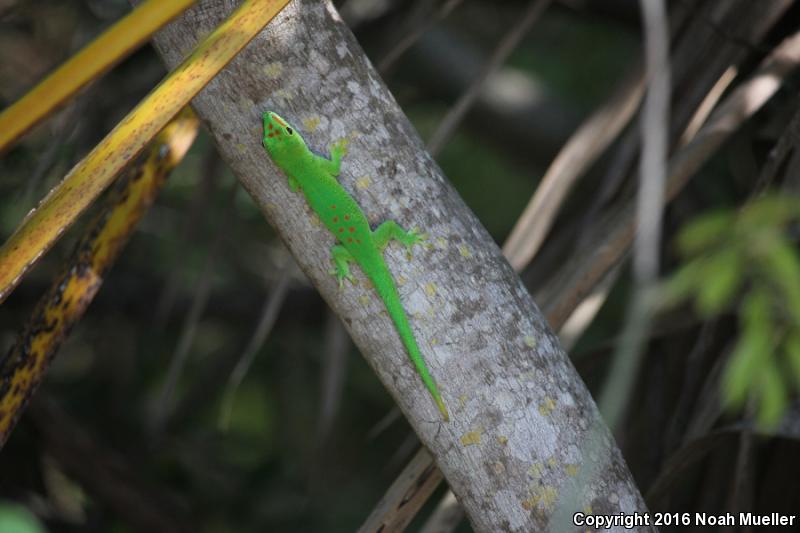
(582, 315)
(406, 495)
(708, 48)
(653, 163)
(611, 240)
(720, 36)
(202, 291)
(785, 147)
(419, 28)
(336, 347)
(708, 105)
(63, 130)
(514, 105)
(446, 517)
(269, 314)
(650, 207)
(741, 493)
(202, 193)
(65, 302)
(456, 114)
(701, 444)
(577, 155)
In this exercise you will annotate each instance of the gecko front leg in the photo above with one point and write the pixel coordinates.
(334, 164)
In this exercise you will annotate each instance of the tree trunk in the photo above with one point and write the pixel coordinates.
(520, 414)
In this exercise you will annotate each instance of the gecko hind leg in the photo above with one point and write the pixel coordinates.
(341, 258)
(391, 230)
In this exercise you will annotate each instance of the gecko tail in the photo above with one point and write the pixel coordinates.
(391, 298)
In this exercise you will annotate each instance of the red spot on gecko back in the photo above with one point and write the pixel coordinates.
(347, 217)
(336, 219)
(349, 239)
(270, 126)
(333, 206)
(351, 229)
(341, 230)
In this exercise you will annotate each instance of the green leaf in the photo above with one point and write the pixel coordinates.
(773, 211)
(792, 348)
(773, 396)
(705, 232)
(755, 309)
(738, 376)
(682, 284)
(781, 264)
(17, 519)
(722, 276)
(751, 350)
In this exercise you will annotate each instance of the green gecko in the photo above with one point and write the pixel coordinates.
(357, 243)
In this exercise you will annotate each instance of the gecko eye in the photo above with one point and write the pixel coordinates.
(289, 130)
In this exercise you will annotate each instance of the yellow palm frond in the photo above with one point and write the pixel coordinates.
(73, 290)
(92, 61)
(59, 209)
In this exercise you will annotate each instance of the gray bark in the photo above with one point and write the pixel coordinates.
(519, 412)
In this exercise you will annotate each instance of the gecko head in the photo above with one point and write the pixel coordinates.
(279, 136)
